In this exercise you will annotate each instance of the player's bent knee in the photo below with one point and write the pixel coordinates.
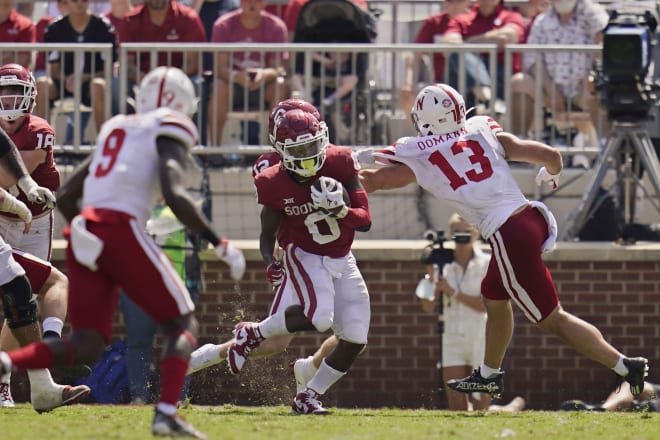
(322, 324)
(19, 306)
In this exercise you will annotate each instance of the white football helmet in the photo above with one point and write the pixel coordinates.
(438, 109)
(166, 87)
(18, 91)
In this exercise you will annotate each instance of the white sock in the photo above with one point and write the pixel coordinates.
(487, 372)
(325, 377)
(40, 379)
(273, 325)
(308, 366)
(166, 408)
(620, 368)
(53, 324)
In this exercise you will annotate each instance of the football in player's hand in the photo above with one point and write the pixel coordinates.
(325, 195)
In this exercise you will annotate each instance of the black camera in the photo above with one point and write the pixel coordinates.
(435, 252)
(624, 76)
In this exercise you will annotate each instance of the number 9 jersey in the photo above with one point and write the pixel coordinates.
(468, 169)
(124, 173)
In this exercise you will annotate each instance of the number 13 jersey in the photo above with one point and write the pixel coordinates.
(468, 169)
(124, 174)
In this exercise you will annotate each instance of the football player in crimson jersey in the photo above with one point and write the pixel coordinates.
(34, 138)
(303, 206)
(305, 368)
(139, 160)
(465, 164)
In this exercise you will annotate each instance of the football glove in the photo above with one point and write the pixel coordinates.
(233, 257)
(365, 157)
(275, 273)
(36, 193)
(544, 176)
(11, 204)
(329, 197)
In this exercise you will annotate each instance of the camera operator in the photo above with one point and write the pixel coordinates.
(463, 315)
(459, 286)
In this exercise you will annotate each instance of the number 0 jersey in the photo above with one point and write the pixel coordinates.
(303, 224)
(468, 170)
(124, 173)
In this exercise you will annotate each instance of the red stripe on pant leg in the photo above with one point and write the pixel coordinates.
(308, 285)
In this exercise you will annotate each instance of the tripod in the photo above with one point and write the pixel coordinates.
(626, 138)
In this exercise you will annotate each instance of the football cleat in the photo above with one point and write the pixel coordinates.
(6, 401)
(173, 426)
(302, 372)
(68, 395)
(638, 369)
(307, 402)
(246, 339)
(474, 383)
(204, 357)
(579, 405)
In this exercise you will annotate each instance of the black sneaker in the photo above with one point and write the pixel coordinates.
(173, 426)
(638, 369)
(474, 383)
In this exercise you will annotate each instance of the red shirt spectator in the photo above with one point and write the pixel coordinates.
(474, 23)
(15, 28)
(181, 24)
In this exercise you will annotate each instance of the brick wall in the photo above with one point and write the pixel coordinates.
(617, 290)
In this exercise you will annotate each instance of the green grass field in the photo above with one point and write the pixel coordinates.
(90, 422)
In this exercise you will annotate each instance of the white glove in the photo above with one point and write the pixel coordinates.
(13, 205)
(233, 257)
(544, 176)
(330, 196)
(36, 193)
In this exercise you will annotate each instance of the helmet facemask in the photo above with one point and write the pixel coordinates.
(17, 97)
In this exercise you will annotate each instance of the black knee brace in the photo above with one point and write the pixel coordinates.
(20, 308)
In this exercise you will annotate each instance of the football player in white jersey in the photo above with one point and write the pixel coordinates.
(139, 160)
(464, 162)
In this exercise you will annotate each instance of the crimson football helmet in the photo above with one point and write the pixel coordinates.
(166, 87)
(283, 107)
(438, 109)
(302, 140)
(18, 91)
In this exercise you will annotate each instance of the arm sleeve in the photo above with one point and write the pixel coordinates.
(358, 216)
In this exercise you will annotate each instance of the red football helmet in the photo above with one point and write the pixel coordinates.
(18, 91)
(283, 107)
(301, 140)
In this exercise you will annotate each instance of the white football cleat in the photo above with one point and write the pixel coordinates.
(59, 396)
(6, 401)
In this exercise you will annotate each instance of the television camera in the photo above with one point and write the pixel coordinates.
(624, 76)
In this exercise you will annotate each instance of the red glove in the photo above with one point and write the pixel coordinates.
(275, 273)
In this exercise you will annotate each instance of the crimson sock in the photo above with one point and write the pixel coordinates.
(172, 375)
(32, 357)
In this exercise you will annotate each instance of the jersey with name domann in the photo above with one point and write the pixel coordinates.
(124, 174)
(467, 169)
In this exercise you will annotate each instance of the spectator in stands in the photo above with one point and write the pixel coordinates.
(621, 400)
(15, 28)
(293, 10)
(117, 11)
(42, 24)
(163, 21)
(565, 75)
(488, 22)
(531, 10)
(251, 80)
(431, 32)
(78, 26)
